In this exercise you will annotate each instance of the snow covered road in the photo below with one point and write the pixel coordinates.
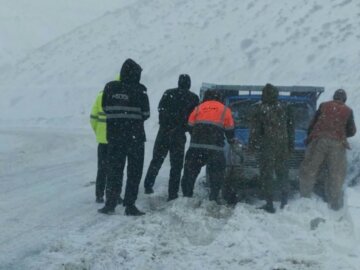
(42, 189)
(49, 220)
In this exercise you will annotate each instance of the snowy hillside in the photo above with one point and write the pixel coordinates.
(284, 42)
(27, 25)
(49, 218)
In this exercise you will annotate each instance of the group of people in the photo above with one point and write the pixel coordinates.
(118, 117)
(272, 137)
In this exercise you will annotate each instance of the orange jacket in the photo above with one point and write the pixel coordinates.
(209, 122)
(213, 113)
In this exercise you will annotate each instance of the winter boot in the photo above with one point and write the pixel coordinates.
(131, 210)
(268, 207)
(106, 210)
(149, 190)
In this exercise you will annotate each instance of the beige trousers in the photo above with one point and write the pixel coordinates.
(332, 154)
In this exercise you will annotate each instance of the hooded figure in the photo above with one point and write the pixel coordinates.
(272, 137)
(130, 72)
(270, 94)
(126, 106)
(176, 104)
(184, 82)
(174, 109)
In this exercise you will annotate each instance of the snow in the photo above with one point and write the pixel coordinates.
(55, 62)
(49, 220)
(41, 21)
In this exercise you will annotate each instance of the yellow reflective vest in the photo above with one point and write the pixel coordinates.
(98, 119)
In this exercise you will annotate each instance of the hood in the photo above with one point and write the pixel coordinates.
(130, 72)
(270, 94)
(184, 82)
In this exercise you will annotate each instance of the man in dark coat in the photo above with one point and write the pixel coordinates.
(327, 143)
(126, 105)
(174, 109)
(272, 138)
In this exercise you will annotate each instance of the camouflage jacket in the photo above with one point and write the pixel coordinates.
(272, 125)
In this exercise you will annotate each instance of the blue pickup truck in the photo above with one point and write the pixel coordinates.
(242, 170)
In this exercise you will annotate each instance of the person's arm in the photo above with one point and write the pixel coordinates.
(94, 116)
(105, 98)
(229, 126)
(350, 126)
(255, 130)
(192, 119)
(314, 120)
(188, 109)
(163, 102)
(196, 101)
(290, 128)
(163, 107)
(145, 106)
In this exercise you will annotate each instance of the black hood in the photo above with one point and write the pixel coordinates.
(270, 94)
(130, 72)
(184, 82)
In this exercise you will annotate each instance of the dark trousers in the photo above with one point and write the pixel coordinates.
(118, 152)
(195, 159)
(101, 170)
(271, 163)
(173, 142)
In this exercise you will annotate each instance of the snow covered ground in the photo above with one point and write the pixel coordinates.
(49, 219)
(48, 153)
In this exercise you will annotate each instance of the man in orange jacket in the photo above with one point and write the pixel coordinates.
(208, 123)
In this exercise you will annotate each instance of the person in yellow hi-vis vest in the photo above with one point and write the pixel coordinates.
(98, 124)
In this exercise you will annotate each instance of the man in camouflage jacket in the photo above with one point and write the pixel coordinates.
(272, 139)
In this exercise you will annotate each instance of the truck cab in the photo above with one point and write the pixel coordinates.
(242, 170)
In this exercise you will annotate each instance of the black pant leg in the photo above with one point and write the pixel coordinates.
(194, 160)
(216, 166)
(177, 149)
(282, 176)
(101, 170)
(161, 148)
(116, 163)
(266, 169)
(135, 165)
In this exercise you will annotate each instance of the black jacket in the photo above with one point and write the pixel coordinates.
(175, 107)
(126, 105)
